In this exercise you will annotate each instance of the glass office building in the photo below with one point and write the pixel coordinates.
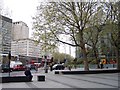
(5, 35)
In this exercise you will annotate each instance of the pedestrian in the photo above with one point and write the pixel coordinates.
(101, 64)
(113, 61)
(51, 67)
(36, 68)
(28, 73)
(69, 67)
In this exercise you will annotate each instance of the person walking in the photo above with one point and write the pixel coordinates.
(36, 68)
(101, 65)
(51, 67)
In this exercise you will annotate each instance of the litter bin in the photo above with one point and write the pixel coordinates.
(41, 78)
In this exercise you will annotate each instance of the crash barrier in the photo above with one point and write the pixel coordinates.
(88, 72)
(14, 79)
(41, 78)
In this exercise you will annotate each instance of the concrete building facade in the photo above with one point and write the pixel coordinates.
(14, 37)
(25, 47)
(22, 45)
(20, 30)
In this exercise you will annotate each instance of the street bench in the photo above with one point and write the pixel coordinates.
(41, 77)
(14, 79)
(88, 72)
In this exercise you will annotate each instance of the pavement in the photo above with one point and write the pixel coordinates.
(85, 81)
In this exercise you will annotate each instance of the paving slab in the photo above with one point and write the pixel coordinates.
(110, 80)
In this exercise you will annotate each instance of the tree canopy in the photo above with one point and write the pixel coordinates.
(83, 22)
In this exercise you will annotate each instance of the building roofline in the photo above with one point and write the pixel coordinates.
(6, 18)
(20, 22)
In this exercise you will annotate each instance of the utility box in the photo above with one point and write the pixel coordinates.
(41, 78)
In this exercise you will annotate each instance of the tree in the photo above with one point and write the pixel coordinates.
(42, 34)
(70, 19)
(113, 28)
(97, 24)
(60, 57)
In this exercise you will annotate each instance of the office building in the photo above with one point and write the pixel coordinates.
(5, 38)
(5, 34)
(20, 30)
(25, 47)
(21, 45)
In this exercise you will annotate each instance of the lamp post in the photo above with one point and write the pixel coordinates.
(45, 57)
(9, 57)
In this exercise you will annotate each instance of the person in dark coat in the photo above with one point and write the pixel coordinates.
(28, 73)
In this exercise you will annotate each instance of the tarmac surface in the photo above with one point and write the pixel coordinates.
(85, 81)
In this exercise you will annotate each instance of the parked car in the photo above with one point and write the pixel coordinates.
(58, 67)
(5, 68)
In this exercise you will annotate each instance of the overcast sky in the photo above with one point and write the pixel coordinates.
(24, 10)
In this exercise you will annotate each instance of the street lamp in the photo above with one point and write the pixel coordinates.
(9, 57)
(45, 57)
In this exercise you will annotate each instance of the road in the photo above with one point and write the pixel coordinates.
(68, 81)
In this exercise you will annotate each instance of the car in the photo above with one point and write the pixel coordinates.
(5, 68)
(58, 67)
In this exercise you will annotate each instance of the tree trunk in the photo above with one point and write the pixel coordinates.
(97, 62)
(86, 65)
(96, 57)
(83, 49)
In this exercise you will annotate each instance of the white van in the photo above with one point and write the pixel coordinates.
(16, 65)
